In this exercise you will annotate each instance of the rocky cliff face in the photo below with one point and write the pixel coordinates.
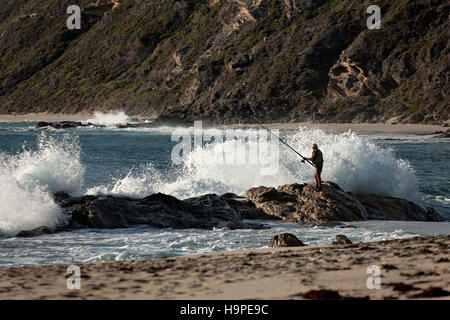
(224, 60)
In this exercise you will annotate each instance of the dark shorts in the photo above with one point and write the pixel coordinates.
(319, 168)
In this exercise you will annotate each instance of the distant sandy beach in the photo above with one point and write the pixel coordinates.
(410, 268)
(359, 127)
(45, 117)
(333, 127)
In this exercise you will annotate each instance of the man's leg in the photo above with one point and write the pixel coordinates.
(316, 178)
(319, 177)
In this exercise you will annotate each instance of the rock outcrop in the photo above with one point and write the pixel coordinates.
(285, 240)
(157, 210)
(388, 208)
(36, 232)
(342, 240)
(301, 203)
(75, 124)
(444, 135)
(63, 125)
(294, 203)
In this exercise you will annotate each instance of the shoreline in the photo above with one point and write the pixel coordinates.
(247, 274)
(357, 127)
(331, 127)
(49, 117)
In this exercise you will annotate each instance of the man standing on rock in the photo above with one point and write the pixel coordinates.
(317, 160)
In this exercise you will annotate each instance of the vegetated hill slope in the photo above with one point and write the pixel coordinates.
(225, 60)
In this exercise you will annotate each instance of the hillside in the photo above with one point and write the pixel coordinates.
(225, 60)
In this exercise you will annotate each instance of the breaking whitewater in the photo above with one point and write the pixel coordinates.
(137, 162)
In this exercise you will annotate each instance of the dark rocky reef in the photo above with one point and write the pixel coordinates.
(294, 203)
(63, 125)
(157, 210)
(443, 135)
(36, 232)
(301, 203)
(76, 124)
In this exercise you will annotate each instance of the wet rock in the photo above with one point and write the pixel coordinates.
(443, 135)
(134, 125)
(42, 124)
(342, 240)
(157, 210)
(389, 208)
(296, 203)
(63, 125)
(58, 125)
(433, 215)
(246, 208)
(285, 240)
(301, 203)
(40, 231)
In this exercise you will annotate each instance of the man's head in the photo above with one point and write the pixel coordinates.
(314, 146)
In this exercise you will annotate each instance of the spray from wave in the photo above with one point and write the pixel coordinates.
(28, 179)
(110, 118)
(353, 162)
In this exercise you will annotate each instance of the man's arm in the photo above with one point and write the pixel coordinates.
(312, 158)
(314, 154)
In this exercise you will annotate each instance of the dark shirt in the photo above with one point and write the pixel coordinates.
(317, 157)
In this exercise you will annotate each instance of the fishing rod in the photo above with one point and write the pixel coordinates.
(259, 122)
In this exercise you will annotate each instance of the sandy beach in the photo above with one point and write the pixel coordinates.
(358, 127)
(330, 127)
(410, 268)
(44, 117)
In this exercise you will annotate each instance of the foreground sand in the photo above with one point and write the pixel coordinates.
(407, 266)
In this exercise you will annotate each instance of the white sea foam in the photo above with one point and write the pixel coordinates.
(28, 178)
(353, 162)
(110, 118)
(142, 242)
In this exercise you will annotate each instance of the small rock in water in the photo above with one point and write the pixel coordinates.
(285, 240)
(341, 239)
(443, 135)
(40, 231)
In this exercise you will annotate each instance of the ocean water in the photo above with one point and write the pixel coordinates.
(138, 162)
